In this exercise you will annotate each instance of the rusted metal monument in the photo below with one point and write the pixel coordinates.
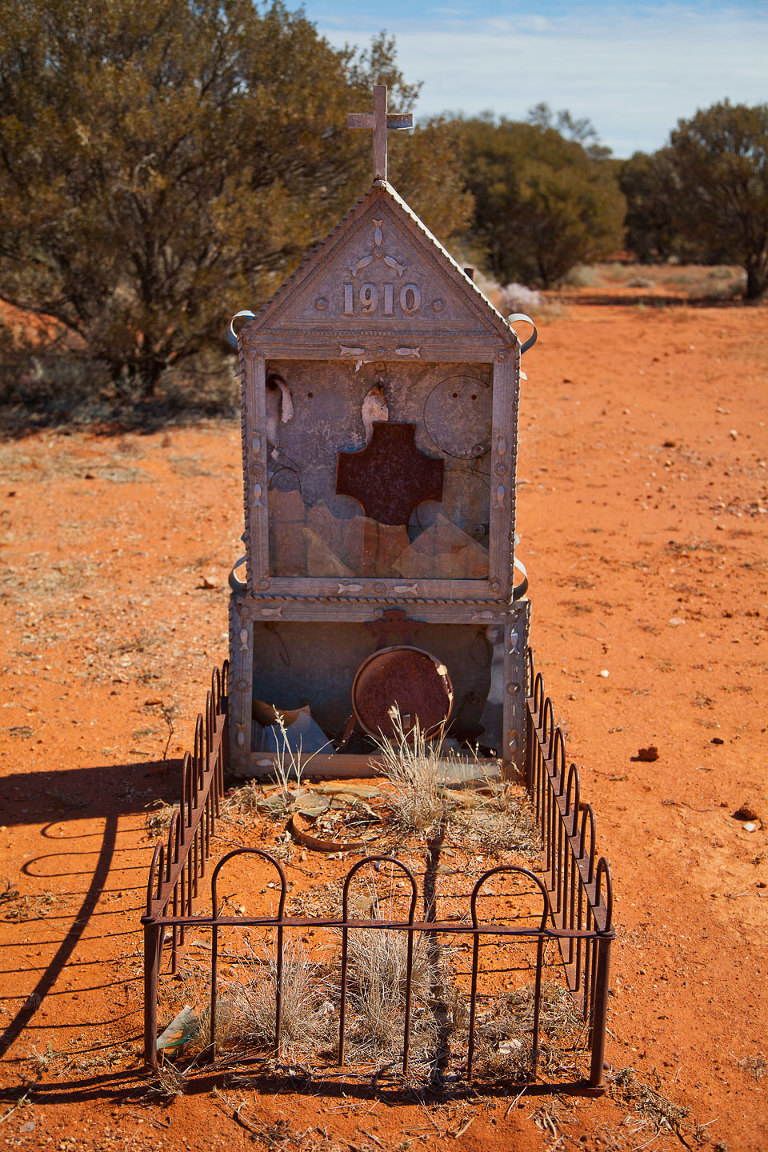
(380, 394)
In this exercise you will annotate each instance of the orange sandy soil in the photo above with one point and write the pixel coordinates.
(643, 493)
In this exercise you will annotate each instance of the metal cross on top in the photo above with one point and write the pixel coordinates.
(381, 122)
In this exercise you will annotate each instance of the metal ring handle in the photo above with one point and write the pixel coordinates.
(231, 333)
(519, 590)
(238, 586)
(529, 343)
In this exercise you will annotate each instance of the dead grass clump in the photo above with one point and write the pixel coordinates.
(246, 1006)
(650, 1108)
(412, 764)
(8, 892)
(756, 1066)
(159, 817)
(167, 1082)
(376, 977)
(501, 823)
(505, 1032)
(19, 909)
(247, 799)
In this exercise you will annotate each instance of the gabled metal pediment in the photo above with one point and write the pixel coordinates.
(379, 286)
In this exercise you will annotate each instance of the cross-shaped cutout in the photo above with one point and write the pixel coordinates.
(381, 122)
(390, 476)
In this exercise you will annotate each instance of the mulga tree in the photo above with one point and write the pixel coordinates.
(719, 163)
(543, 203)
(165, 162)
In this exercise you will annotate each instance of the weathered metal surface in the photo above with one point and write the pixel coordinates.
(288, 674)
(390, 477)
(409, 680)
(380, 122)
(379, 413)
(275, 659)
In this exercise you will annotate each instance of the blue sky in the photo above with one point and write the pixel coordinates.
(633, 69)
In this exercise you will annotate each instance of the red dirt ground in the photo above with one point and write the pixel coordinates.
(642, 495)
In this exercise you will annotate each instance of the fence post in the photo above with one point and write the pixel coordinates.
(599, 1011)
(152, 939)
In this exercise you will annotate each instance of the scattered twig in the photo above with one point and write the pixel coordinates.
(684, 804)
(19, 1103)
(242, 1121)
(460, 1132)
(168, 717)
(514, 1102)
(148, 1120)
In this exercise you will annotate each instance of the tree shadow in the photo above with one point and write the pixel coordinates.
(53, 796)
(48, 797)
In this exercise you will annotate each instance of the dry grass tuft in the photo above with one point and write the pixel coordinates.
(246, 1005)
(412, 764)
(505, 1032)
(376, 978)
(503, 822)
(650, 1108)
(246, 799)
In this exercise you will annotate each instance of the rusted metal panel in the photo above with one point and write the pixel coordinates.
(390, 477)
(408, 679)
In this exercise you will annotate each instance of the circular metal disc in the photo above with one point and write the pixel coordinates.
(457, 417)
(408, 678)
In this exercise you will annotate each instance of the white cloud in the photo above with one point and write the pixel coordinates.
(632, 70)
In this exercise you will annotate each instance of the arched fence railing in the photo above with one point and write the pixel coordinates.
(179, 863)
(578, 884)
(574, 887)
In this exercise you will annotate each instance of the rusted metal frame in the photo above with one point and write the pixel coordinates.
(191, 845)
(600, 978)
(588, 919)
(545, 736)
(598, 919)
(156, 926)
(565, 855)
(345, 950)
(557, 779)
(153, 945)
(570, 819)
(476, 930)
(174, 869)
(172, 858)
(218, 922)
(574, 799)
(580, 903)
(530, 678)
(584, 860)
(454, 927)
(534, 705)
(178, 881)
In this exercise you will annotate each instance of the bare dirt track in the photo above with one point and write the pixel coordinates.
(642, 512)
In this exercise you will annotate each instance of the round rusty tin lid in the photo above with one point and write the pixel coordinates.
(408, 678)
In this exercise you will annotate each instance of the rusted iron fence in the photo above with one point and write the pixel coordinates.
(573, 889)
(179, 864)
(579, 890)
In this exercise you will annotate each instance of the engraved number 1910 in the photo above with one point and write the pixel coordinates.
(370, 297)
